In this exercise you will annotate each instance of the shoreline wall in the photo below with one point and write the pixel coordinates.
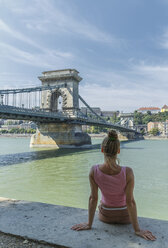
(52, 224)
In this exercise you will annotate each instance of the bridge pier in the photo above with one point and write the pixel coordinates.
(59, 135)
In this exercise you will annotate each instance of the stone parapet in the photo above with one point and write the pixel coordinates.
(60, 75)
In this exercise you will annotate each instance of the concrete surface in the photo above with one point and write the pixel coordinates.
(11, 241)
(52, 223)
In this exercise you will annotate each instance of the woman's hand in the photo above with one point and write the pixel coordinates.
(146, 235)
(80, 227)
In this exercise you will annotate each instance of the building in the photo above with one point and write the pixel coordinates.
(145, 110)
(166, 128)
(126, 115)
(9, 127)
(12, 122)
(1, 122)
(164, 108)
(98, 111)
(162, 126)
(109, 113)
(86, 110)
(28, 125)
(152, 125)
(24, 125)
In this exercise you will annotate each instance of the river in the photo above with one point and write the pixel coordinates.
(61, 176)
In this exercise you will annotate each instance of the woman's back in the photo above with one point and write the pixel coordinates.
(112, 186)
(116, 184)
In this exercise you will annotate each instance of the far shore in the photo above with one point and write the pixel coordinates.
(20, 135)
(147, 137)
(97, 135)
(92, 135)
(16, 135)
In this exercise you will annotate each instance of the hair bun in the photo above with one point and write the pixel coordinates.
(113, 135)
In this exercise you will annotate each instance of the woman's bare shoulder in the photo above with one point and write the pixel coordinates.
(129, 169)
(129, 172)
(91, 173)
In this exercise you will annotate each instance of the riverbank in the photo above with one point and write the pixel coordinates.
(156, 137)
(103, 135)
(97, 135)
(92, 135)
(147, 137)
(15, 135)
(51, 225)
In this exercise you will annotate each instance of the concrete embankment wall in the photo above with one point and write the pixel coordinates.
(52, 223)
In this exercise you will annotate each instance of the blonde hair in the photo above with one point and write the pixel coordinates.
(111, 144)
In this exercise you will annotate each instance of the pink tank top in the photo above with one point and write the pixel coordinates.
(112, 187)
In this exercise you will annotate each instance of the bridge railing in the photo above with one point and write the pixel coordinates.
(15, 110)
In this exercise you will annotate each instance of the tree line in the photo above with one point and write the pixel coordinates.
(140, 118)
(18, 131)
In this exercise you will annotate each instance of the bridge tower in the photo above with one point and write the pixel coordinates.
(60, 134)
(69, 93)
(127, 120)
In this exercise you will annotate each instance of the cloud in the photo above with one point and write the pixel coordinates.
(42, 57)
(127, 86)
(122, 99)
(49, 17)
(45, 59)
(139, 85)
(19, 36)
(5, 28)
(163, 39)
(154, 76)
(124, 91)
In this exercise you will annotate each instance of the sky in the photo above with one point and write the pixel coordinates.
(120, 48)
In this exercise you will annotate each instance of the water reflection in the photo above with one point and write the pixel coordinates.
(40, 154)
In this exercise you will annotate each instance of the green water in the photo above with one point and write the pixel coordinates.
(61, 176)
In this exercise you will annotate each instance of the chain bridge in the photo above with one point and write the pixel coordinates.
(55, 106)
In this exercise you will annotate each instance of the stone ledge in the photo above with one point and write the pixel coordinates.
(51, 224)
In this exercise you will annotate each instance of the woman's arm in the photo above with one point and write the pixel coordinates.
(91, 206)
(93, 198)
(132, 210)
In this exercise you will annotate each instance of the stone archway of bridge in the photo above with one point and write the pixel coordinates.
(58, 100)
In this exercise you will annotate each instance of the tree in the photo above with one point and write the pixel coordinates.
(147, 118)
(22, 130)
(149, 112)
(138, 118)
(154, 131)
(114, 119)
(4, 131)
(13, 130)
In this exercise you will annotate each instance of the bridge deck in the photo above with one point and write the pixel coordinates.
(38, 115)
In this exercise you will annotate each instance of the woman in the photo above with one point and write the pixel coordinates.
(116, 184)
